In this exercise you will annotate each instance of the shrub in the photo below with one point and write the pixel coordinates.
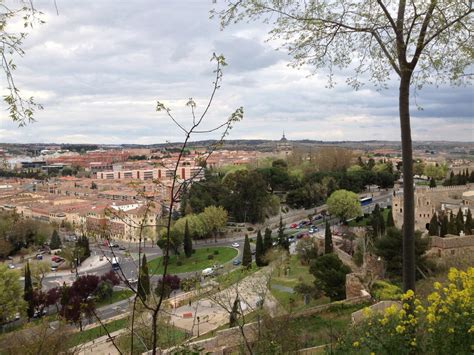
(194, 251)
(210, 257)
(384, 290)
(250, 229)
(179, 263)
(441, 324)
(216, 252)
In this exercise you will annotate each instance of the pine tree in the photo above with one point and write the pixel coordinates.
(55, 242)
(187, 243)
(267, 240)
(143, 287)
(452, 225)
(234, 313)
(460, 221)
(468, 224)
(328, 247)
(247, 255)
(432, 183)
(390, 221)
(434, 228)
(259, 250)
(444, 226)
(28, 292)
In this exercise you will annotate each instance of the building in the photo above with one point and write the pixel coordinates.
(431, 200)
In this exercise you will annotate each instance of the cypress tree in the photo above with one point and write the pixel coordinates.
(444, 226)
(471, 177)
(259, 251)
(247, 255)
(468, 224)
(382, 224)
(434, 228)
(452, 225)
(375, 220)
(460, 221)
(187, 243)
(390, 221)
(55, 242)
(143, 287)
(328, 247)
(267, 240)
(282, 238)
(28, 291)
(432, 183)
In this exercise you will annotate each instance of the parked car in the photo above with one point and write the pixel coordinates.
(235, 245)
(293, 225)
(291, 239)
(54, 268)
(122, 248)
(207, 272)
(39, 257)
(317, 217)
(11, 266)
(236, 262)
(113, 245)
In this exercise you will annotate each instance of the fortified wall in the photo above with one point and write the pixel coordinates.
(427, 201)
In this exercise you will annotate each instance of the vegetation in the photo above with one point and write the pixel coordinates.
(55, 242)
(328, 247)
(330, 276)
(247, 253)
(441, 323)
(143, 286)
(344, 204)
(11, 294)
(198, 261)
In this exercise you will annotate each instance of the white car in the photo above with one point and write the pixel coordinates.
(208, 272)
(235, 245)
(11, 266)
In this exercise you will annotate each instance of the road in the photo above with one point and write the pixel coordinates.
(129, 264)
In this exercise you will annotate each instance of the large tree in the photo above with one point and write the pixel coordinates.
(55, 242)
(414, 41)
(330, 276)
(11, 301)
(344, 204)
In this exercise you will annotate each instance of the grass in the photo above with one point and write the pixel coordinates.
(197, 262)
(117, 296)
(324, 327)
(230, 278)
(298, 273)
(97, 332)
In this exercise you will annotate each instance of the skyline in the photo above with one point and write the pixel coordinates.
(98, 70)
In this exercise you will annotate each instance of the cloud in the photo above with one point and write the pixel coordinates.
(99, 67)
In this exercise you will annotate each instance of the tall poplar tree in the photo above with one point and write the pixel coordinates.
(444, 226)
(468, 224)
(412, 41)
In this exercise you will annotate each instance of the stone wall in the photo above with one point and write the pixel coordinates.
(379, 307)
(427, 201)
(451, 246)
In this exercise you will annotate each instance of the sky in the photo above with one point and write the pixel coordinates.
(99, 67)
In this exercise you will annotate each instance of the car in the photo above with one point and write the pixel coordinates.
(235, 245)
(54, 268)
(39, 257)
(11, 266)
(254, 251)
(236, 262)
(317, 217)
(207, 272)
(291, 239)
(113, 245)
(293, 225)
(122, 248)
(9, 258)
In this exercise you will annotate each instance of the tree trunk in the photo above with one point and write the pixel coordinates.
(408, 188)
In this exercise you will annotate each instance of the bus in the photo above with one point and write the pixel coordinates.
(364, 201)
(115, 263)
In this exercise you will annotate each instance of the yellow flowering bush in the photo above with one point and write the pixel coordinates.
(443, 323)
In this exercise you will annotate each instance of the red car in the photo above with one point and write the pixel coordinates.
(294, 225)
